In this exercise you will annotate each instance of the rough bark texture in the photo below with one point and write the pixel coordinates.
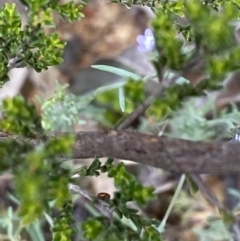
(169, 154)
(175, 155)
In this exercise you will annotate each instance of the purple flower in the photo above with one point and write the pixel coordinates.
(146, 42)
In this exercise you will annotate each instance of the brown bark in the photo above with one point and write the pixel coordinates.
(175, 155)
(169, 154)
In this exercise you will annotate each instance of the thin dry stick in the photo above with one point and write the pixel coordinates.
(144, 106)
(101, 205)
(206, 191)
(165, 187)
(139, 110)
(163, 85)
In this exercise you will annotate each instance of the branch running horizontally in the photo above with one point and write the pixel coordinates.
(175, 155)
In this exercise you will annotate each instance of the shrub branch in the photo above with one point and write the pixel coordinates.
(174, 155)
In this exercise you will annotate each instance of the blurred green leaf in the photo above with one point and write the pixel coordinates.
(121, 72)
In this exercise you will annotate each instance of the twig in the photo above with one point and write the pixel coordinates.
(165, 187)
(163, 85)
(170, 207)
(101, 205)
(139, 110)
(206, 191)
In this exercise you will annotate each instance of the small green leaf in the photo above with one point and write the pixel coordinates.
(121, 72)
(121, 99)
